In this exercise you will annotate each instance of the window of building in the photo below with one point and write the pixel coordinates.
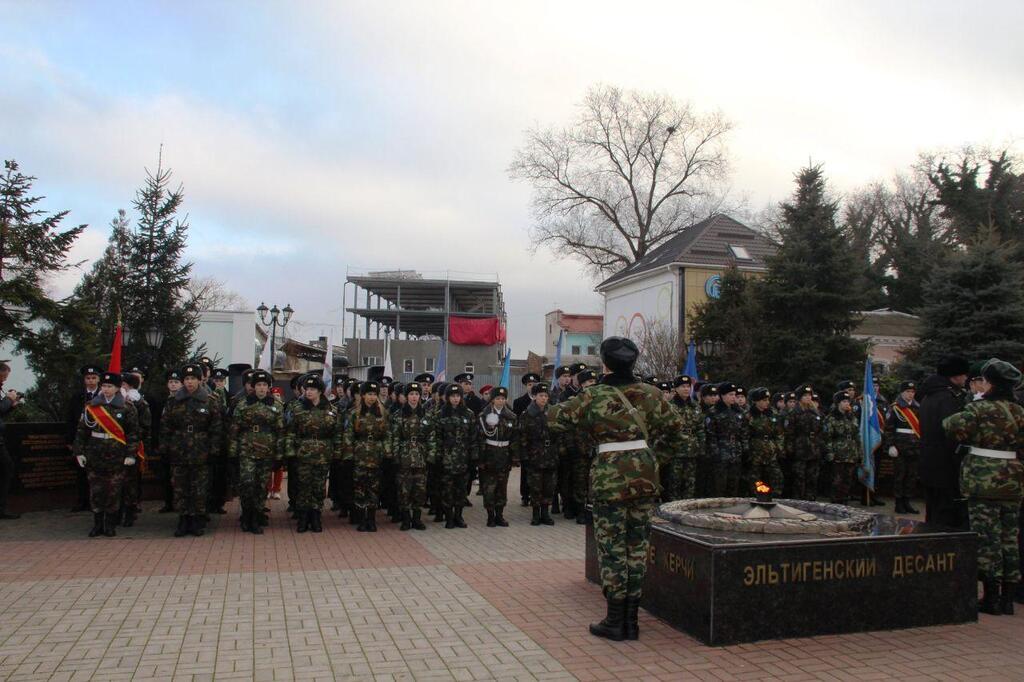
(740, 252)
(591, 350)
(575, 350)
(408, 365)
(428, 364)
(469, 368)
(370, 360)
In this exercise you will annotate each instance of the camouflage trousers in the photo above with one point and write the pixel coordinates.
(105, 487)
(904, 475)
(678, 479)
(366, 482)
(130, 489)
(494, 486)
(542, 485)
(252, 482)
(766, 472)
(412, 488)
(996, 523)
(453, 488)
(620, 533)
(804, 479)
(581, 480)
(726, 479)
(313, 488)
(190, 478)
(842, 480)
(564, 475)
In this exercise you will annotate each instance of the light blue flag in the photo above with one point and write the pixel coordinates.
(870, 429)
(558, 357)
(442, 359)
(506, 370)
(691, 360)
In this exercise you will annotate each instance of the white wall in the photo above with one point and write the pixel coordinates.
(632, 306)
(230, 337)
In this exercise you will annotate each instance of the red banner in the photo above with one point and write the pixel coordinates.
(475, 331)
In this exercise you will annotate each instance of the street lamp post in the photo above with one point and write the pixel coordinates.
(274, 318)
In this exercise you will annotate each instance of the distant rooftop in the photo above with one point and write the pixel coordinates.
(884, 322)
(579, 323)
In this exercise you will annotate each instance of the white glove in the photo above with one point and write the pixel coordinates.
(893, 452)
(81, 460)
(129, 461)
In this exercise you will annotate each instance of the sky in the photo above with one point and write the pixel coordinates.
(316, 137)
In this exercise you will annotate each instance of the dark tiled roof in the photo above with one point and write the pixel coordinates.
(704, 243)
(884, 322)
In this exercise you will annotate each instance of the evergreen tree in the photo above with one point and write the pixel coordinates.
(975, 207)
(102, 290)
(727, 319)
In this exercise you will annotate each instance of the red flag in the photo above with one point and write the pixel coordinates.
(115, 352)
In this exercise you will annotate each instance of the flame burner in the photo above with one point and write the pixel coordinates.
(766, 515)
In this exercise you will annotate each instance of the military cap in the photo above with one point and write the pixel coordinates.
(220, 373)
(260, 376)
(339, 379)
(312, 381)
(952, 365)
(577, 367)
(708, 389)
(247, 375)
(907, 385)
(499, 392)
(413, 387)
(975, 371)
(650, 379)
(452, 389)
(682, 380)
(815, 397)
(439, 387)
(586, 375)
(538, 388)
(759, 393)
(486, 389)
(791, 395)
(110, 378)
(530, 378)
(386, 381)
(425, 378)
(192, 370)
(205, 360)
(294, 382)
(562, 371)
(397, 387)
(619, 353)
(840, 396)
(775, 397)
(130, 379)
(804, 390)
(90, 369)
(1001, 372)
(173, 374)
(845, 385)
(369, 387)
(664, 385)
(137, 369)
(740, 390)
(726, 387)
(465, 377)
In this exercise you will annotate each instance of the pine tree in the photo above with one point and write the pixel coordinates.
(977, 208)
(727, 319)
(102, 290)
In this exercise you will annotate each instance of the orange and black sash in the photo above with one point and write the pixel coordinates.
(106, 422)
(909, 417)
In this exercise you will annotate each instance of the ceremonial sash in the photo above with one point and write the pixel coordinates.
(909, 417)
(107, 423)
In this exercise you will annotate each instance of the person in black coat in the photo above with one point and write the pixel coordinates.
(73, 414)
(942, 395)
(519, 406)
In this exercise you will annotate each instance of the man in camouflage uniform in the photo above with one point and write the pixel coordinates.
(105, 445)
(191, 432)
(623, 416)
(497, 454)
(519, 406)
(992, 480)
(842, 445)
(584, 455)
(766, 442)
(682, 479)
(903, 443)
(541, 450)
(803, 429)
(411, 442)
(367, 445)
(130, 384)
(728, 442)
(455, 442)
(312, 440)
(705, 469)
(255, 436)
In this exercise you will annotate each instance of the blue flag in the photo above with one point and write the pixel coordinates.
(439, 370)
(558, 356)
(870, 429)
(506, 370)
(691, 360)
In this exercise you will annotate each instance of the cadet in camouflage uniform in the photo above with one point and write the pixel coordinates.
(903, 444)
(705, 469)
(842, 445)
(623, 416)
(411, 442)
(455, 442)
(105, 445)
(682, 479)
(130, 383)
(313, 438)
(191, 432)
(728, 442)
(498, 452)
(766, 442)
(367, 445)
(584, 455)
(255, 436)
(803, 430)
(992, 480)
(541, 450)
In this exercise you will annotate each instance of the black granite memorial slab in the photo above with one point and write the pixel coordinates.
(725, 587)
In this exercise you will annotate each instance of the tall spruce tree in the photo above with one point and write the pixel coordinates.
(102, 290)
(806, 300)
(727, 319)
(977, 208)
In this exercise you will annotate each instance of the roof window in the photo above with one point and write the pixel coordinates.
(740, 252)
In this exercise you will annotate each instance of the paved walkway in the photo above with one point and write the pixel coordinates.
(474, 604)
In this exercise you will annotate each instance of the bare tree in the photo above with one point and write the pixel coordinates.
(662, 352)
(632, 171)
(212, 294)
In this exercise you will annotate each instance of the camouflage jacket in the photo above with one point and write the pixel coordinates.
(256, 430)
(538, 446)
(103, 453)
(727, 434)
(842, 437)
(411, 437)
(766, 437)
(312, 432)
(145, 419)
(803, 430)
(455, 438)
(621, 475)
(367, 435)
(222, 397)
(896, 428)
(192, 425)
(993, 425)
(693, 439)
(505, 429)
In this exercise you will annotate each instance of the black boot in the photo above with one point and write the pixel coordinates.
(262, 518)
(535, 521)
(315, 522)
(490, 518)
(97, 525)
(898, 505)
(990, 598)
(612, 627)
(406, 520)
(545, 517)
(631, 623)
(581, 518)
(110, 524)
(342, 511)
(449, 516)
(555, 509)
(499, 517)
(246, 520)
(182, 529)
(440, 514)
(569, 510)
(1006, 598)
(459, 521)
(303, 524)
(197, 526)
(355, 517)
(129, 517)
(907, 508)
(371, 519)
(417, 522)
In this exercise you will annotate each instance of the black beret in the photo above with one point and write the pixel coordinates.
(369, 387)
(499, 392)
(619, 353)
(539, 387)
(260, 375)
(220, 373)
(952, 365)
(530, 378)
(682, 380)
(192, 370)
(452, 389)
(907, 385)
(110, 378)
(562, 371)
(90, 369)
(759, 393)
(586, 375)
(313, 381)
(1001, 372)
(413, 387)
